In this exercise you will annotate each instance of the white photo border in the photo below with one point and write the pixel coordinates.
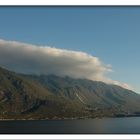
(70, 3)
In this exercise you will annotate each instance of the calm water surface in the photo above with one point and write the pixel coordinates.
(130, 125)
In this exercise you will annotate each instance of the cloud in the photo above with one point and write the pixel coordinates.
(33, 59)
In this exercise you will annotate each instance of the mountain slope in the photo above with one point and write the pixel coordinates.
(96, 95)
(21, 97)
(42, 97)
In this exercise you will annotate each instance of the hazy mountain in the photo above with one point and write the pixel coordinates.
(40, 97)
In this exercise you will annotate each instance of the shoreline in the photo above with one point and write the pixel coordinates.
(61, 119)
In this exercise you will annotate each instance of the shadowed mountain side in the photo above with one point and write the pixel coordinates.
(43, 97)
(21, 98)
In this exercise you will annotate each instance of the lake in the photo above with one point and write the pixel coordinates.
(127, 125)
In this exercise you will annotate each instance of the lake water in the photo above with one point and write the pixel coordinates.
(128, 125)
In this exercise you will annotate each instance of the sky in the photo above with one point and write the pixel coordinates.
(111, 34)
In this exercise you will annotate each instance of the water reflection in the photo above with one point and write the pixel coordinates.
(129, 125)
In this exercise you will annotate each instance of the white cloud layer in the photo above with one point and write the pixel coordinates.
(32, 59)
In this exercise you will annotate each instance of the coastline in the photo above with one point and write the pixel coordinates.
(73, 118)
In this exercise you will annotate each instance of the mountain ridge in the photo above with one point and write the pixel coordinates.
(50, 96)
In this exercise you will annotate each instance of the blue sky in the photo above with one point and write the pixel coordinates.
(110, 33)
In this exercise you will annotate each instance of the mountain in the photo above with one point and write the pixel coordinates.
(49, 96)
(98, 97)
(24, 98)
